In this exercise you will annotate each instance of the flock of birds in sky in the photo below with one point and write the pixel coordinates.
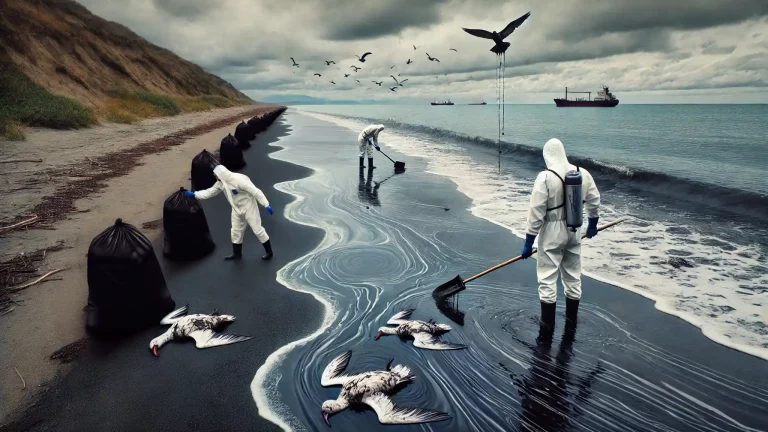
(499, 49)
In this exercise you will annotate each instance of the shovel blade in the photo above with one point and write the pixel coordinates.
(449, 288)
(399, 167)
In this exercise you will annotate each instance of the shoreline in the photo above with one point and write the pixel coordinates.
(660, 303)
(61, 300)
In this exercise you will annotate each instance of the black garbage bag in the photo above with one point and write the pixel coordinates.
(126, 286)
(231, 154)
(243, 135)
(256, 124)
(185, 228)
(202, 171)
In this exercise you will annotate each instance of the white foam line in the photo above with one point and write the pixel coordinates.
(661, 304)
(264, 404)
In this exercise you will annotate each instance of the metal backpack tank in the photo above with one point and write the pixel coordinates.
(573, 200)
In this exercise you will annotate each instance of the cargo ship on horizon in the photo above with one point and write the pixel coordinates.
(604, 99)
(446, 102)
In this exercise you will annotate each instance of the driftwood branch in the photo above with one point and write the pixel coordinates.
(29, 221)
(36, 281)
(92, 161)
(24, 383)
(7, 311)
(19, 160)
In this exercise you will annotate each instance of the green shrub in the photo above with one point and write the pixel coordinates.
(21, 100)
(11, 130)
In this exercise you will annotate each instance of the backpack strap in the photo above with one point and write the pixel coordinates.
(563, 181)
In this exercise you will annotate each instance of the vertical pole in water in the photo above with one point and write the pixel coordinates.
(498, 106)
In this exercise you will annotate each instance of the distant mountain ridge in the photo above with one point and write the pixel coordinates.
(64, 48)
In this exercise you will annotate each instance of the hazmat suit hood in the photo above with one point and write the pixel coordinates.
(379, 128)
(223, 174)
(554, 157)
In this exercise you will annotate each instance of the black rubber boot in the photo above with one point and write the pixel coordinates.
(237, 252)
(362, 165)
(571, 309)
(370, 164)
(548, 313)
(268, 248)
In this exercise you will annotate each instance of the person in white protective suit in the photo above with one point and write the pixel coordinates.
(367, 141)
(559, 248)
(243, 196)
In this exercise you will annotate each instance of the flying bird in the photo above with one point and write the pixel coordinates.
(199, 327)
(378, 83)
(393, 66)
(394, 89)
(329, 62)
(372, 388)
(426, 335)
(294, 62)
(355, 68)
(362, 59)
(400, 83)
(346, 75)
(331, 81)
(357, 80)
(454, 49)
(432, 58)
(317, 74)
(409, 61)
(498, 38)
(414, 47)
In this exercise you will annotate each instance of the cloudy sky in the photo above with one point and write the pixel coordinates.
(647, 51)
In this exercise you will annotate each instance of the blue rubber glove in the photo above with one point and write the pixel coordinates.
(528, 246)
(269, 209)
(592, 227)
(377, 147)
(189, 194)
(235, 192)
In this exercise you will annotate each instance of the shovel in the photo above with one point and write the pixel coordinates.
(457, 284)
(399, 166)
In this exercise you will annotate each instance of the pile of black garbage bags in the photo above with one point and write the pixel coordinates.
(126, 286)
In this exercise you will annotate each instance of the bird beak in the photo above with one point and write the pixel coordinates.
(154, 351)
(325, 417)
(378, 335)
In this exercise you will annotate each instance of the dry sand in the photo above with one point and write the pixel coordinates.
(49, 315)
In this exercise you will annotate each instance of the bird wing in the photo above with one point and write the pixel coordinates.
(293, 60)
(393, 77)
(403, 80)
(363, 57)
(389, 413)
(485, 34)
(513, 25)
(432, 342)
(209, 338)
(436, 59)
(454, 49)
(332, 375)
(401, 317)
(174, 316)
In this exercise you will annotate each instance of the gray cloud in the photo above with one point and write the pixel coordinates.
(594, 18)
(633, 46)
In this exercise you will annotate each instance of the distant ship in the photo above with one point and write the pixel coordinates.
(447, 102)
(604, 98)
(481, 103)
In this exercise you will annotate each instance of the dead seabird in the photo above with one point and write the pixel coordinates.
(372, 389)
(426, 335)
(199, 327)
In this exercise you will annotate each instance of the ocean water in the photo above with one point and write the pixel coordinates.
(389, 241)
(689, 179)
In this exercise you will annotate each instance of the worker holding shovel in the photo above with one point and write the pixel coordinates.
(367, 141)
(555, 215)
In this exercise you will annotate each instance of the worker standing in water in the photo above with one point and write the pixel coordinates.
(243, 196)
(555, 215)
(367, 140)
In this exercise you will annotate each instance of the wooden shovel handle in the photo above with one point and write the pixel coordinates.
(519, 257)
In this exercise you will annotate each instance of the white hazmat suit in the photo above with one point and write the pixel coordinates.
(559, 249)
(242, 195)
(369, 138)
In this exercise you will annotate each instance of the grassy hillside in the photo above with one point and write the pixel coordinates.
(63, 67)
